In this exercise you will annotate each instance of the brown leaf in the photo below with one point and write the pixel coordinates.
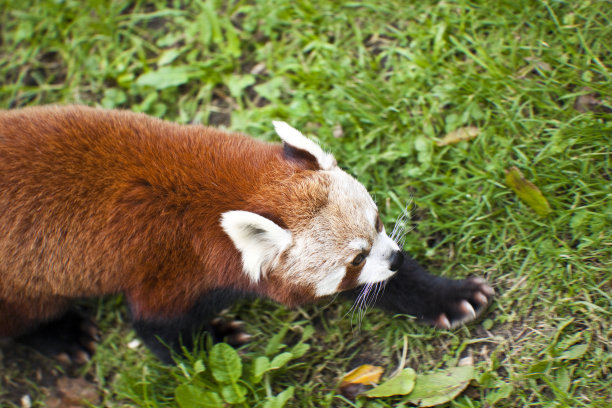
(458, 135)
(590, 102)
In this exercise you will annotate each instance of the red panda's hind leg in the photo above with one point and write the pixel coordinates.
(166, 337)
(71, 338)
(44, 325)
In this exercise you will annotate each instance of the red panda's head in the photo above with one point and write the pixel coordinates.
(315, 233)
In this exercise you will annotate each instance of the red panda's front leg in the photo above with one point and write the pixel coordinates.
(165, 336)
(436, 300)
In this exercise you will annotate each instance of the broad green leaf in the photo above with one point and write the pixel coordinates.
(113, 97)
(504, 391)
(189, 396)
(401, 384)
(232, 42)
(574, 352)
(260, 365)
(280, 400)
(539, 367)
(199, 367)
(423, 146)
(280, 360)
(299, 350)
(562, 379)
(527, 191)
(237, 83)
(274, 345)
(225, 363)
(168, 56)
(233, 393)
(307, 333)
(166, 77)
(440, 386)
(272, 89)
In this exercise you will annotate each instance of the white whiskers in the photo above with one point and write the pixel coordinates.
(401, 227)
(365, 300)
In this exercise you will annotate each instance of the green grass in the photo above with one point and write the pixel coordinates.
(392, 78)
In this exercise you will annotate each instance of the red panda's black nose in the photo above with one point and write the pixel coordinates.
(396, 260)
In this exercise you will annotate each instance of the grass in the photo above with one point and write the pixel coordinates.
(378, 83)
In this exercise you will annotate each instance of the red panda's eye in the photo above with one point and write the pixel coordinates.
(358, 260)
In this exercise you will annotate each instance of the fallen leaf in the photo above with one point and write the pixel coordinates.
(458, 135)
(359, 380)
(365, 374)
(590, 102)
(527, 191)
(440, 386)
(401, 384)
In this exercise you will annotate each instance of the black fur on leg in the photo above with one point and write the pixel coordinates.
(70, 338)
(166, 336)
(442, 302)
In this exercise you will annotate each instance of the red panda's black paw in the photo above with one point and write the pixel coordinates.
(70, 339)
(471, 298)
(232, 332)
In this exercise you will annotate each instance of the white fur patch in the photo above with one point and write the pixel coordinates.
(378, 263)
(358, 244)
(259, 240)
(296, 139)
(330, 282)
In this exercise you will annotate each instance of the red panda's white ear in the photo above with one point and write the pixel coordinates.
(297, 140)
(259, 240)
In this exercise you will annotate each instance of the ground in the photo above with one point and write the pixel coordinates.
(379, 84)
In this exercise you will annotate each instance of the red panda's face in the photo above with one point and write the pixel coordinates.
(331, 239)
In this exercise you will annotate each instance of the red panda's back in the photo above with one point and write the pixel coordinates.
(88, 197)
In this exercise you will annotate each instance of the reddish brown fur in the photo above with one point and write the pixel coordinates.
(95, 202)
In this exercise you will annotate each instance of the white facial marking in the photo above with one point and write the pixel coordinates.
(330, 282)
(358, 244)
(378, 262)
(296, 139)
(259, 240)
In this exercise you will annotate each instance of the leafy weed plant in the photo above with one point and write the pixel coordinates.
(378, 83)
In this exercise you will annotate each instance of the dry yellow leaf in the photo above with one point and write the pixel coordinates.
(458, 135)
(365, 374)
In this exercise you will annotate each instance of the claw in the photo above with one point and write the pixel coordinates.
(239, 339)
(235, 325)
(467, 308)
(443, 322)
(481, 299)
(81, 357)
(479, 280)
(63, 358)
(488, 290)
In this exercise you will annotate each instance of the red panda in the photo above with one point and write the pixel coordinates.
(181, 219)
